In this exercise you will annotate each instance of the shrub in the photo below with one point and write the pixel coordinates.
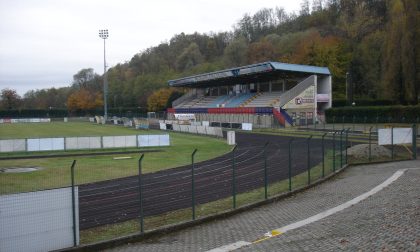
(373, 114)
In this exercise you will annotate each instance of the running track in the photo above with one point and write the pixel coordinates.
(117, 200)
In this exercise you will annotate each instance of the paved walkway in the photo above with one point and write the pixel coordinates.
(387, 220)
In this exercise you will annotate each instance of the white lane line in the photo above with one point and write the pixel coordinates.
(230, 247)
(343, 206)
(317, 217)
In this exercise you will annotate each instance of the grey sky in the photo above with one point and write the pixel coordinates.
(44, 42)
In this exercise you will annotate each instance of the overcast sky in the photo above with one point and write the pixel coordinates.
(43, 43)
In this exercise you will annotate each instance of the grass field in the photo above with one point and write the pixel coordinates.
(62, 129)
(55, 171)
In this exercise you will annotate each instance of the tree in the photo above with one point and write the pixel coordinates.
(83, 77)
(324, 51)
(46, 98)
(365, 66)
(10, 99)
(236, 52)
(191, 56)
(399, 75)
(304, 8)
(316, 5)
(84, 100)
(261, 51)
(159, 99)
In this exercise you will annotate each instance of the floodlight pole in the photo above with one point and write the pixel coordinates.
(104, 35)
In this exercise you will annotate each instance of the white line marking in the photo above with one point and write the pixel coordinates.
(343, 206)
(231, 247)
(317, 217)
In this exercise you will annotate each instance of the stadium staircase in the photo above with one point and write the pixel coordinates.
(296, 90)
(282, 117)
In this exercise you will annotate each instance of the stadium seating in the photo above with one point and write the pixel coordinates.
(265, 99)
(236, 101)
(249, 100)
(219, 101)
(199, 102)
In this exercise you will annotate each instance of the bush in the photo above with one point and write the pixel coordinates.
(361, 102)
(373, 114)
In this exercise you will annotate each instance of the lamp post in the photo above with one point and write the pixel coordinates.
(103, 34)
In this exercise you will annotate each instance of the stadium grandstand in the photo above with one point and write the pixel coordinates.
(264, 94)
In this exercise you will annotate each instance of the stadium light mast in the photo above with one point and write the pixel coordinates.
(103, 34)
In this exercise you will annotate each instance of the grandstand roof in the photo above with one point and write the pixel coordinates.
(250, 74)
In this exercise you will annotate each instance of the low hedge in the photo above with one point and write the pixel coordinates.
(361, 102)
(373, 114)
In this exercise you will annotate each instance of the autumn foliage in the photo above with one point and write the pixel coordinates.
(159, 99)
(84, 100)
(372, 47)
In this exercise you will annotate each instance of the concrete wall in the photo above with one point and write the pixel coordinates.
(25, 120)
(12, 145)
(38, 221)
(81, 143)
(45, 144)
(119, 141)
(203, 130)
(153, 140)
(258, 121)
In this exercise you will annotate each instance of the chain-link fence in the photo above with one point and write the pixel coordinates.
(106, 198)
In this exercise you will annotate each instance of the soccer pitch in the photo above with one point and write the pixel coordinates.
(55, 171)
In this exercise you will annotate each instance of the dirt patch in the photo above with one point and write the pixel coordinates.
(361, 151)
(19, 169)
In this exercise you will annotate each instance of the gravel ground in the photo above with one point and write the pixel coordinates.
(362, 151)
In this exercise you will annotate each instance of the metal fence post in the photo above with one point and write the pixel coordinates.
(370, 144)
(342, 121)
(234, 177)
(309, 158)
(73, 203)
(265, 172)
(290, 164)
(192, 184)
(414, 141)
(392, 143)
(354, 118)
(335, 132)
(364, 124)
(346, 144)
(141, 195)
(333, 122)
(341, 148)
(323, 154)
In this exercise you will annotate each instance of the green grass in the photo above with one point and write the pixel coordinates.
(129, 227)
(56, 171)
(62, 129)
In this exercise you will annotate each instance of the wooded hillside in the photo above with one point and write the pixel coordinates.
(377, 42)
